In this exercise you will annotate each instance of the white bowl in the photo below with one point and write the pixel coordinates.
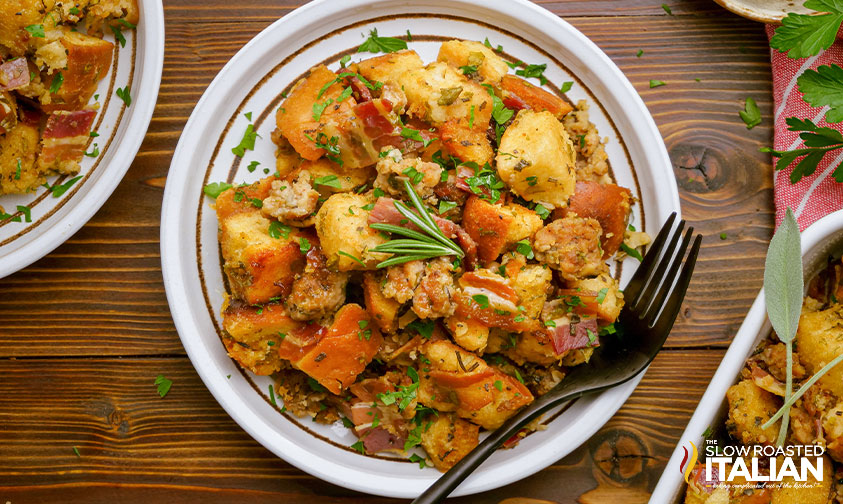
(121, 130)
(818, 241)
(253, 81)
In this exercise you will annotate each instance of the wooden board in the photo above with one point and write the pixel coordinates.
(85, 331)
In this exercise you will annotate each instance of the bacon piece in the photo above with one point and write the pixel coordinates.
(380, 439)
(574, 336)
(359, 90)
(468, 309)
(494, 283)
(385, 212)
(14, 74)
(65, 136)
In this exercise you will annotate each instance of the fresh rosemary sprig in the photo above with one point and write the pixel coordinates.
(430, 242)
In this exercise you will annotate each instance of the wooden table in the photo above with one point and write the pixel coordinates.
(85, 331)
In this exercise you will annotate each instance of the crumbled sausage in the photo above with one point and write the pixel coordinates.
(571, 245)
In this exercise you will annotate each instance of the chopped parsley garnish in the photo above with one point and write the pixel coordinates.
(471, 118)
(329, 144)
(444, 206)
(344, 60)
(279, 231)
(359, 447)
(489, 45)
(76, 451)
(485, 183)
(58, 80)
(707, 432)
(304, 245)
(500, 113)
(272, 396)
(347, 423)
(315, 385)
(824, 87)
(524, 248)
(329, 181)
(751, 115)
(550, 323)
(127, 24)
(59, 189)
(566, 86)
(657, 83)
(26, 211)
(376, 43)
(18, 170)
(482, 300)
(93, 134)
(423, 327)
(252, 166)
(591, 336)
(420, 460)
(601, 296)
(163, 385)
(414, 175)
(541, 211)
(35, 30)
(667, 9)
(414, 437)
(631, 252)
(214, 189)
(639, 53)
(94, 152)
(123, 94)
(536, 71)
(318, 108)
(247, 142)
(405, 393)
(413, 134)
(468, 69)
(118, 35)
(518, 375)
(723, 236)
(498, 385)
(344, 95)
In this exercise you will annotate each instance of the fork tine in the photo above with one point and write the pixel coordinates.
(656, 302)
(655, 279)
(633, 288)
(665, 322)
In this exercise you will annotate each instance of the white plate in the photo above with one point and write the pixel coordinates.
(121, 130)
(253, 81)
(818, 241)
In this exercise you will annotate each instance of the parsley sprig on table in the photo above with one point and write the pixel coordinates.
(425, 244)
(803, 35)
(817, 141)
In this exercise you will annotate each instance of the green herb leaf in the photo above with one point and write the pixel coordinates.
(803, 35)
(420, 460)
(498, 385)
(631, 252)
(26, 211)
(272, 396)
(376, 44)
(214, 189)
(524, 248)
(601, 296)
(94, 152)
(536, 71)
(252, 166)
(59, 189)
(58, 80)
(318, 108)
(541, 211)
(824, 87)
(353, 258)
(639, 53)
(247, 142)
(279, 231)
(76, 451)
(304, 245)
(329, 181)
(751, 115)
(657, 83)
(566, 86)
(482, 300)
(18, 170)
(667, 9)
(444, 206)
(413, 134)
(118, 35)
(783, 283)
(818, 141)
(163, 385)
(423, 327)
(123, 94)
(35, 30)
(359, 447)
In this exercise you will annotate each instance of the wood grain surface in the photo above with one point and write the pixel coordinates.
(85, 331)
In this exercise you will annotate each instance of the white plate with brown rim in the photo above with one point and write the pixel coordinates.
(121, 130)
(253, 81)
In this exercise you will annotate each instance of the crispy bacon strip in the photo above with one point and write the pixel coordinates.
(65, 136)
(574, 336)
(385, 212)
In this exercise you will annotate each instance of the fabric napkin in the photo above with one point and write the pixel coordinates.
(817, 195)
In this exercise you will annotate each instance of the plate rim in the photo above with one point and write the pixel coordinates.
(173, 270)
(82, 207)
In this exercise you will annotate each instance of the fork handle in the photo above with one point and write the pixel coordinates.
(446, 483)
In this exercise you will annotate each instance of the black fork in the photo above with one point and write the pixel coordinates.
(653, 298)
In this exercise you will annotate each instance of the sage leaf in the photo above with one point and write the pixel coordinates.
(783, 283)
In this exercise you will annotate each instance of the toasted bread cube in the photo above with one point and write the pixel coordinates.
(383, 310)
(255, 333)
(531, 281)
(343, 351)
(459, 53)
(258, 266)
(495, 227)
(449, 439)
(609, 204)
(468, 333)
(19, 145)
(389, 67)
(609, 299)
(87, 62)
(536, 159)
(15, 15)
(819, 340)
(343, 226)
(439, 93)
(810, 491)
(466, 141)
(749, 408)
(295, 116)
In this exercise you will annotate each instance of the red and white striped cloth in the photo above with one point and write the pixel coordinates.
(819, 194)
